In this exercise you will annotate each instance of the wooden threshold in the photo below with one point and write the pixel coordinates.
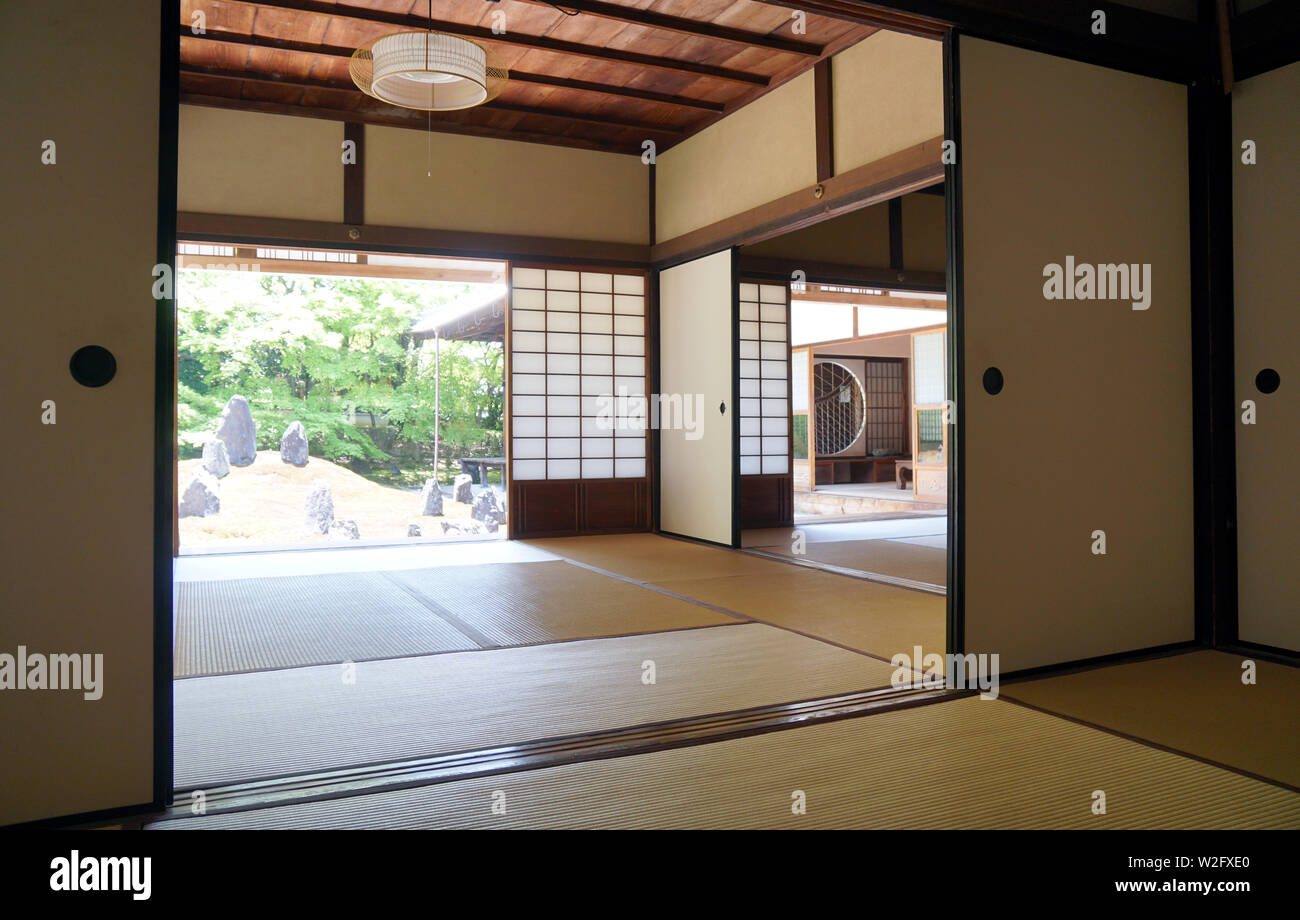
(552, 752)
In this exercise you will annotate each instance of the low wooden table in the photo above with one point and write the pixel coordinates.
(477, 467)
(901, 467)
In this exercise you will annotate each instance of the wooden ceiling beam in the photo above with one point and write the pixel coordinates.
(395, 118)
(495, 105)
(517, 76)
(694, 27)
(487, 36)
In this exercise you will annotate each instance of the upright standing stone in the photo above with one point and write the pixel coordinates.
(487, 507)
(431, 498)
(464, 489)
(215, 459)
(238, 431)
(320, 507)
(293, 445)
(201, 496)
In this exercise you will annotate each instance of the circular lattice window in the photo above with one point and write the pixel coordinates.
(839, 407)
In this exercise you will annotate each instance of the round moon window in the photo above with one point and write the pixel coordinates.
(839, 407)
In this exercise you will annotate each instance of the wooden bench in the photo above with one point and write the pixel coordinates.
(903, 470)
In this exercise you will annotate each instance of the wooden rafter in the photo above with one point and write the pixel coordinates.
(683, 26)
(495, 105)
(516, 76)
(487, 36)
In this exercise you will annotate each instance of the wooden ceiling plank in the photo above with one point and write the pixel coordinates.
(487, 36)
(496, 105)
(690, 26)
(344, 53)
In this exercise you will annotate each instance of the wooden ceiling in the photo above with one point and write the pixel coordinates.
(608, 78)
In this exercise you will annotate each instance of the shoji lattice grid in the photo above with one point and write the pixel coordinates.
(764, 380)
(886, 414)
(577, 337)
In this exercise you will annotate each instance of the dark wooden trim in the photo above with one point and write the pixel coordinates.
(956, 357)
(735, 397)
(516, 76)
(896, 234)
(515, 39)
(354, 176)
(1266, 38)
(824, 113)
(1211, 156)
(780, 269)
(652, 386)
(164, 446)
(1286, 656)
(693, 27)
(579, 507)
(350, 90)
(1098, 661)
(236, 228)
(1137, 41)
(653, 204)
(881, 15)
(393, 117)
(896, 174)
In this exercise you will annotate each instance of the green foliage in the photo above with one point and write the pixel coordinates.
(336, 355)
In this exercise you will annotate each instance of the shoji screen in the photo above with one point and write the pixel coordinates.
(578, 402)
(697, 337)
(766, 496)
(1091, 433)
(1266, 238)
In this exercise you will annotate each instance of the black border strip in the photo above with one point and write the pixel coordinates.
(165, 403)
(735, 397)
(1214, 459)
(956, 620)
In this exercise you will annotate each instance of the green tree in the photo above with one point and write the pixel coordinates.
(337, 355)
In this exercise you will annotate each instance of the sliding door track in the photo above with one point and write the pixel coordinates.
(896, 580)
(549, 752)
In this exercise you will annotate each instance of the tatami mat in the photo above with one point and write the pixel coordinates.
(250, 624)
(870, 617)
(883, 557)
(878, 619)
(1194, 702)
(278, 722)
(652, 558)
(255, 623)
(524, 603)
(971, 763)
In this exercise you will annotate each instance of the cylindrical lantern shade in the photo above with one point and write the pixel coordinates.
(429, 70)
(426, 70)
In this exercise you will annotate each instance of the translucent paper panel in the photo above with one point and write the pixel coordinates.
(928, 368)
(764, 383)
(577, 342)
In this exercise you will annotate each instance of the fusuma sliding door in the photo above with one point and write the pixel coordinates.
(1074, 410)
(578, 407)
(85, 570)
(697, 419)
(1266, 237)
